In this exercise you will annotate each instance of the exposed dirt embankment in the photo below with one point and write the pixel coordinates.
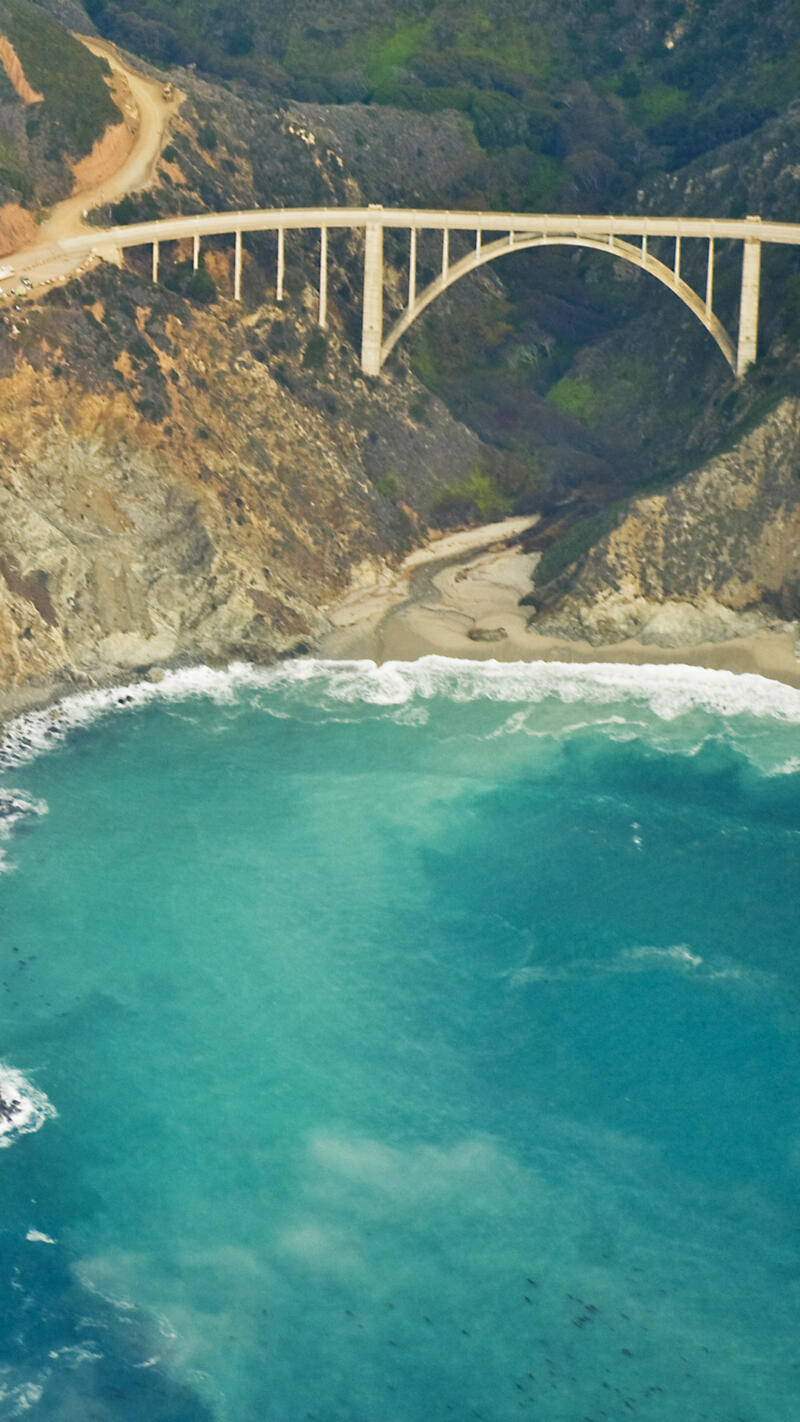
(107, 155)
(17, 228)
(713, 557)
(16, 74)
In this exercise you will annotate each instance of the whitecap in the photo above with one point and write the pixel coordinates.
(16, 805)
(785, 767)
(679, 955)
(35, 1236)
(669, 691)
(26, 1396)
(23, 1109)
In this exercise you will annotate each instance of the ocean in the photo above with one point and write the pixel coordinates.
(387, 1044)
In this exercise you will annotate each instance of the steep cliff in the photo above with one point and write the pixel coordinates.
(715, 556)
(172, 489)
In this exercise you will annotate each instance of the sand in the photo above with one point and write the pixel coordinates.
(474, 579)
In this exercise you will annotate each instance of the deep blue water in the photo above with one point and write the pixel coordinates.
(424, 1042)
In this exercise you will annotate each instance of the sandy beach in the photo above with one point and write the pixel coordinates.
(472, 581)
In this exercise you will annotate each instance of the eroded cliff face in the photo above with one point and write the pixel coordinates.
(172, 490)
(715, 556)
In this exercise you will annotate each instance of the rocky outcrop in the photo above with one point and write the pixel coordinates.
(179, 485)
(715, 556)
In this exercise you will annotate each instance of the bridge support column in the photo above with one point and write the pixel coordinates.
(412, 269)
(322, 320)
(195, 252)
(748, 309)
(677, 267)
(710, 277)
(445, 251)
(237, 268)
(372, 308)
(155, 261)
(281, 264)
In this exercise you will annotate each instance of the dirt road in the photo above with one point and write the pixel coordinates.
(122, 165)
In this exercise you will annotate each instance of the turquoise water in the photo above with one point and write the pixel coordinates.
(423, 1042)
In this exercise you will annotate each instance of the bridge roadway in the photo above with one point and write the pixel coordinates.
(510, 230)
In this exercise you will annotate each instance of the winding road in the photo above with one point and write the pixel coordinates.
(42, 263)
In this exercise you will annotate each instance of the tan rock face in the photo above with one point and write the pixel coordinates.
(214, 528)
(714, 557)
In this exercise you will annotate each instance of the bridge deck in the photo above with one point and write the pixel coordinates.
(217, 224)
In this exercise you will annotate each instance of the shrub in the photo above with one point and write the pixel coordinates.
(575, 397)
(388, 484)
(790, 306)
(575, 542)
(316, 351)
(477, 497)
(201, 287)
(208, 137)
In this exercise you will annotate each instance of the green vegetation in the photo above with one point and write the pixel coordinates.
(388, 485)
(575, 397)
(207, 137)
(77, 106)
(790, 307)
(384, 55)
(197, 285)
(657, 103)
(576, 541)
(316, 351)
(477, 497)
(12, 173)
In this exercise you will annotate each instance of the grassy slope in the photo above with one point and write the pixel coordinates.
(77, 106)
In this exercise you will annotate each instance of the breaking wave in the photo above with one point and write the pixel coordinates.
(23, 1109)
(668, 691)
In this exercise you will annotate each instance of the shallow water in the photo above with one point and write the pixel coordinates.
(423, 1042)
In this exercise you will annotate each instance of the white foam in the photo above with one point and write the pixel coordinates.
(677, 958)
(16, 805)
(25, 1397)
(786, 767)
(669, 691)
(679, 955)
(24, 1109)
(35, 1236)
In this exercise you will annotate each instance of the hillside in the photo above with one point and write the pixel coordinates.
(54, 104)
(201, 441)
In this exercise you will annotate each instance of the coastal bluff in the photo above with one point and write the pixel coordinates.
(714, 556)
(168, 496)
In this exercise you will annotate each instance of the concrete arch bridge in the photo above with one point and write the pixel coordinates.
(493, 234)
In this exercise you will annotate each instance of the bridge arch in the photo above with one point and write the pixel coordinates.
(611, 245)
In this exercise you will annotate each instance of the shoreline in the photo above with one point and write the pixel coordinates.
(425, 607)
(473, 581)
